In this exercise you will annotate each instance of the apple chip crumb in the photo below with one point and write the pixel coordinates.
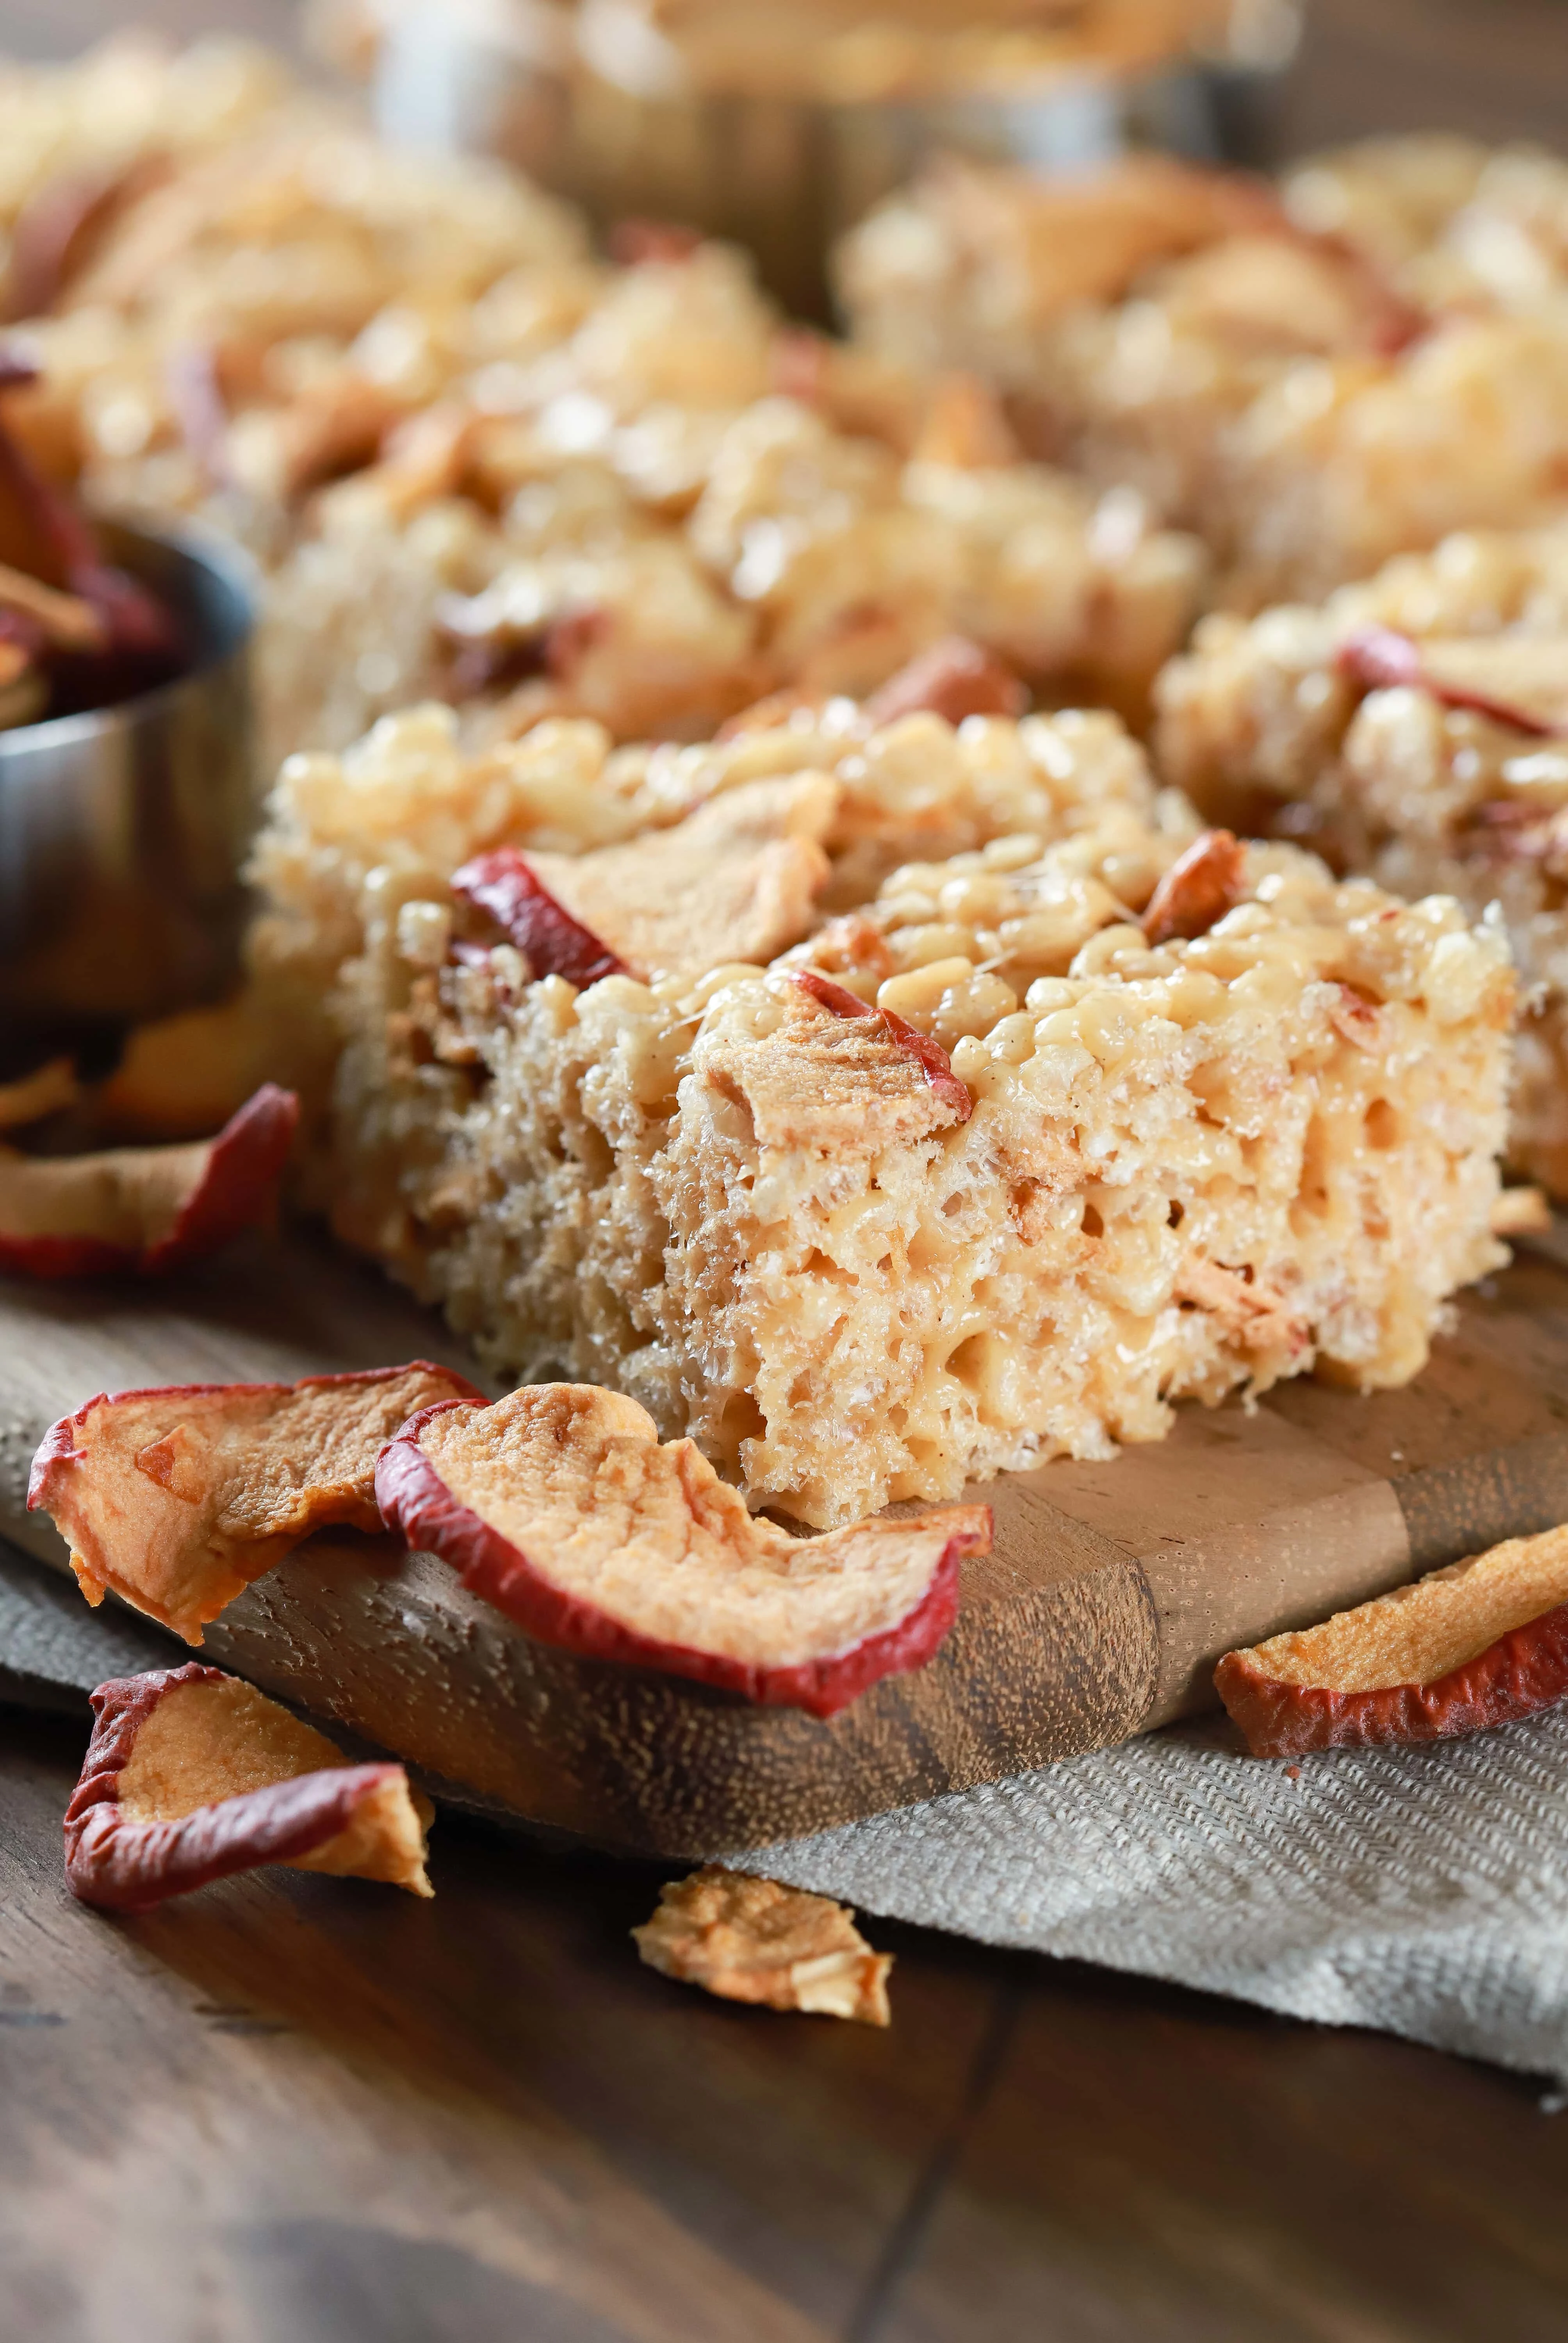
(192, 1776)
(749, 1939)
(1522, 1212)
(48, 1090)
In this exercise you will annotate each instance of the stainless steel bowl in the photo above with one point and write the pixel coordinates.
(122, 830)
(621, 133)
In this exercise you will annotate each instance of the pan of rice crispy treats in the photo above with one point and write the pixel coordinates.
(1142, 1168)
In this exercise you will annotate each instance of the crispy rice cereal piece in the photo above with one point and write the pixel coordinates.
(750, 1939)
(1436, 765)
(191, 1776)
(761, 1219)
(177, 1498)
(560, 1507)
(1469, 1647)
(146, 1209)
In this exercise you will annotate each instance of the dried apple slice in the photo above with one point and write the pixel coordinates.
(191, 1776)
(1477, 1644)
(1201, 886)
(749, 1939)
(177, 1498)
(930, 1056)
(144, 1208)
(48, 1090)
(735, 881)
(1516, 680)
(187, 1073)
(953, 678)
(559, 1505)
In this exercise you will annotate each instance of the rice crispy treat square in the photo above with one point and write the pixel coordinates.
(1277, 726)
(1070, 1175)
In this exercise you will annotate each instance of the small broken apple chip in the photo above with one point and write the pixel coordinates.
(1521, 680)
(1477, 1644)
(192, 1776)
(144, 1208)
(560, 1506)
(749, 1939)
(920, 1047)
(1201, 886)
(177, 1498)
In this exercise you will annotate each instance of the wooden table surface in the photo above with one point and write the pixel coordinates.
(290, 2111)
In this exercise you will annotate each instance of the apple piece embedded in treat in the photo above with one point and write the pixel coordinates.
(1201, 886)
(191, 1776)
(178, 1498)
(146, 1209)
(930, 1056)
(502, 883)
(953, 678)
(1479, 1643)
(559, 1506)
(749, 1939)
(61, 224)
(1516, 680)
(737, 881)
(636, 241)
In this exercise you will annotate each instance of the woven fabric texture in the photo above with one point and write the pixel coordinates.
(1422, 1891)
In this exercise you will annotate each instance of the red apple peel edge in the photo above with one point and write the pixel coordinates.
(503, 883)
(416, 1501)
(120, 1865)
(930, 1056)
(1523, 1672)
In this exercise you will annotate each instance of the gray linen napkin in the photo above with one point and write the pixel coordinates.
(1420, 1891)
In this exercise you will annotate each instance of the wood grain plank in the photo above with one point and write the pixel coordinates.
(271, 2114)
(1159, 2164)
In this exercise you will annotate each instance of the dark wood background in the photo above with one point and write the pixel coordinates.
(288, 2112)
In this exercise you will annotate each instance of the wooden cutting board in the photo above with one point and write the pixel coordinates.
(1111, 1592)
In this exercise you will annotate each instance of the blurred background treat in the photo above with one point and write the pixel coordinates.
(778, 126)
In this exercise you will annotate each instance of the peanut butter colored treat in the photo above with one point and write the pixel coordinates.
(750, 1939)
(1414, 723)
(973, 1173)
(1478, 1644)
(191, 1776)
(1314, 378)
